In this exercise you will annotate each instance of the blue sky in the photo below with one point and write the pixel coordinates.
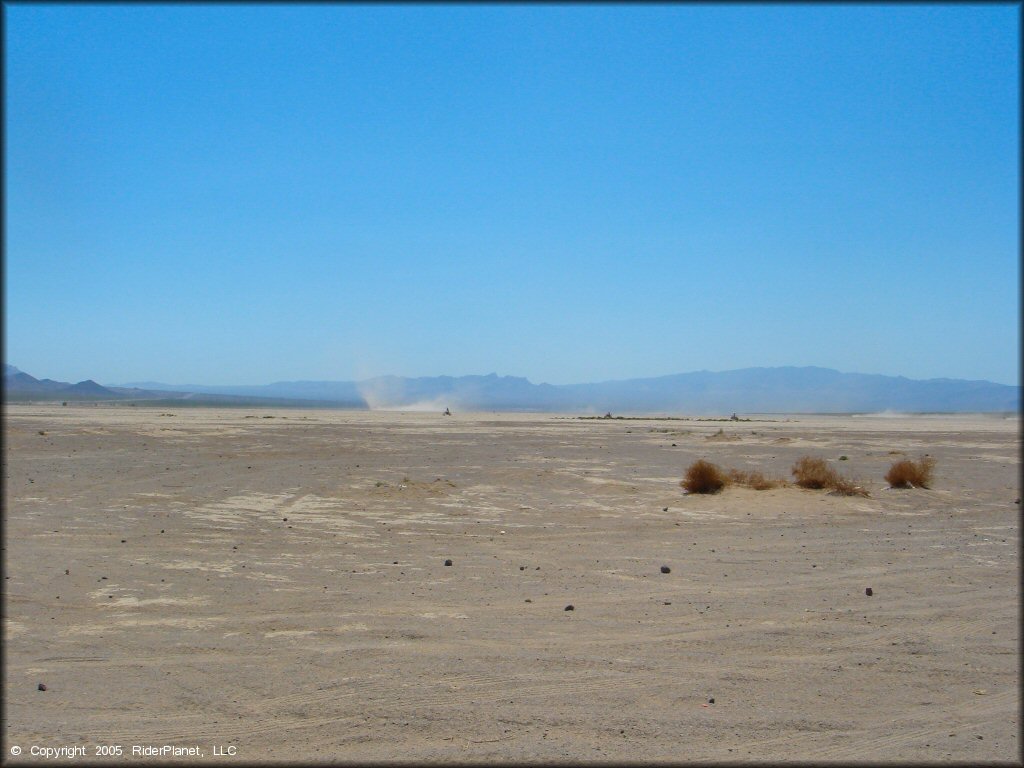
(253, 193)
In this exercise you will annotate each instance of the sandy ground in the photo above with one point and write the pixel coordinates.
(274, 582)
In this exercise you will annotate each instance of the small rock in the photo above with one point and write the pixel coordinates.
(522, 567)
(666, 569)
(41, 687)
(570, 607)
(447, 562)
(124, 541)
(711, 700)
(664, 509)
(869, 592)
(67, 572)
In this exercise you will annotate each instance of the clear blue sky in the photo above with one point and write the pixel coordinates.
(246, 194)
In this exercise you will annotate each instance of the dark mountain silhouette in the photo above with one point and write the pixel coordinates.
(20, 386)
(25, 383)
(91, 389)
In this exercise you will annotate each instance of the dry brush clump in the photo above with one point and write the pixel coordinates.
(911, 474)
(754, 479)
(815, 473)
(704, 477)
(845, 487)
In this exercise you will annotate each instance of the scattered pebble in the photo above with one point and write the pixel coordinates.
(527, 600)
(522, 567)
(447, 562)
(869, 592)
(711, 700)
(664, 509)
(41, 687)
(124, 541)
(666, 569)
(570, 607)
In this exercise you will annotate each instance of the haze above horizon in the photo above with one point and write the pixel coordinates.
(249, 194)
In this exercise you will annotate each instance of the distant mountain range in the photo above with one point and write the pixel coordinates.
(748, 390)
(18, 383)
(21, 387)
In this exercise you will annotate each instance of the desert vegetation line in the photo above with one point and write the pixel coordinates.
(808, 472)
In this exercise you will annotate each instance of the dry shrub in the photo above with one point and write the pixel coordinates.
(810, 472)
(704, 477)
(911, 474)
(754, 479)
(844, 487)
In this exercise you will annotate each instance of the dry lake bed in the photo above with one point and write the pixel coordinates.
(272, 584)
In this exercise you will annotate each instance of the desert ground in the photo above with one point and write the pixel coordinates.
(273, 583)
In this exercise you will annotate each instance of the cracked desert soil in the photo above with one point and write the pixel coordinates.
(274, 581)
